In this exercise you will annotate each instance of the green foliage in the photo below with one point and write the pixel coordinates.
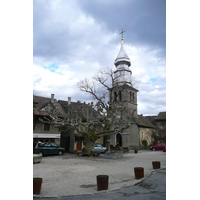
(144, 142)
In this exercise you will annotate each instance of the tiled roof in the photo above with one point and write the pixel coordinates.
(41, 102)
(145, 122)
(76, 106)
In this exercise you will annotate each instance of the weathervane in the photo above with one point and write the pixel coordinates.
(122, 34)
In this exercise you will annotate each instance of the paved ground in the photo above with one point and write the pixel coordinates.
(68, 175)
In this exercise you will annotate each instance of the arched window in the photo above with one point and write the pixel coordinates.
(133, 97)
(115, 96)
(130, 97)
(120, 95)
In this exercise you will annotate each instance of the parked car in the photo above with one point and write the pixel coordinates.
(98, 148)
(159, 146)
(48, 148)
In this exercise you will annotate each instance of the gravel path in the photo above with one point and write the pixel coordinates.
(72, 175)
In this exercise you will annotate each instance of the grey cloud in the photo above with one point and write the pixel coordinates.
(144, 21)
(51, 35)
(144, 24)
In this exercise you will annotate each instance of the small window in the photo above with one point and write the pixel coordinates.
(133, 97)
(46, 127)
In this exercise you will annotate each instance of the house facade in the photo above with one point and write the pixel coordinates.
(72, 140)
(45, 132)
(160, 122)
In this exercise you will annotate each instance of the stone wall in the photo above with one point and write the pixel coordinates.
(39, 128)
(134, 136)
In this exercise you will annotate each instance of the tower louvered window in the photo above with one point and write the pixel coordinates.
(115, 96)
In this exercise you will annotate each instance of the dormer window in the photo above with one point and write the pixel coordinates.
(47, 108)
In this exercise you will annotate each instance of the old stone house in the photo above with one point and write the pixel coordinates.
(45, 132)
(72, 140)
(160, 122)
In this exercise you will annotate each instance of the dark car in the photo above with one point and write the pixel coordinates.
(159, 146)
(48, 148)
(98, 148)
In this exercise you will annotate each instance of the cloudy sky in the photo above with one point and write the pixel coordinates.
(73, 39)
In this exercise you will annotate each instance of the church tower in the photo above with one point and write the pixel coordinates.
(125, 95)
(123, 91)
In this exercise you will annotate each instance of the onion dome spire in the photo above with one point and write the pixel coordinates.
(122, 62)
(122, 57)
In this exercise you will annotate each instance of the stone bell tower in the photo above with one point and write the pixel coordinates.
(123, 91)
(125, 95)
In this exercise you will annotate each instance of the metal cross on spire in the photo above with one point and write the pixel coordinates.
(122, 34)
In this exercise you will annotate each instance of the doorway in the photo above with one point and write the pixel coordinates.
(119, 139)
(65, 142)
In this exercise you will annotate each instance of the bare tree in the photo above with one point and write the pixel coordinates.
(102, 117)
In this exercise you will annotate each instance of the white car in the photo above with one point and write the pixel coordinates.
(98, 148)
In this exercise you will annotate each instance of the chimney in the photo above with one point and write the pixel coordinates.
(52, 97)
(69, 100)
(79, 101)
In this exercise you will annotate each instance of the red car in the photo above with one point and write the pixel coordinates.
(160, 146)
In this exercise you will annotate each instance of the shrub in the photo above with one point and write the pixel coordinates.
(144, 142)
